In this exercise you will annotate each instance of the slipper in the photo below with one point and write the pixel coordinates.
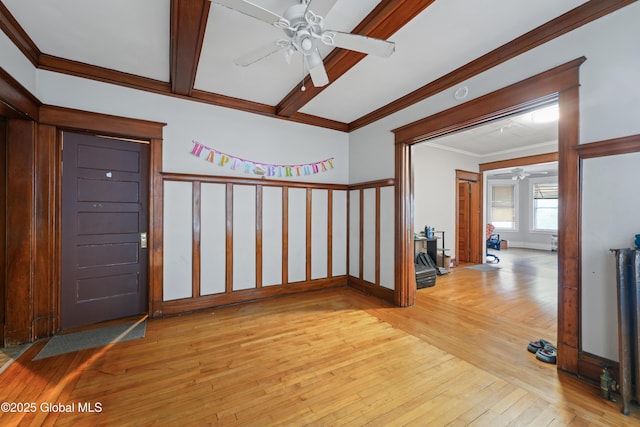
(547, 354)
(534, 346)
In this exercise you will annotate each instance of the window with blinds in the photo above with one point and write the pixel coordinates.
(503, 212)
(545, 206)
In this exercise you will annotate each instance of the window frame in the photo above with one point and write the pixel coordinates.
(532, 208)
(516, 203)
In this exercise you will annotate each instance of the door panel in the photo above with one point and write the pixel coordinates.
(104, 210)
(468, 217)
(463, 221)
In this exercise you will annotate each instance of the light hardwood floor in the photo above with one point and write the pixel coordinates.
(335, 357)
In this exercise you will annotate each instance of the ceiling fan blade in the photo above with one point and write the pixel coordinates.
(261, 53)
(358, 43)
(320, 7)
(252, 10)
(316, 69)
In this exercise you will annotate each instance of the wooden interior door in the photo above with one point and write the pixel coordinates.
(464, 221)
(468, 217)
(104, 213)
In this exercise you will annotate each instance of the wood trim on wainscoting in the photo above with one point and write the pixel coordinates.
(228, 239)
(216, 300)
(231, 296)
(561, 83)
(589, 365)
(220, 179)
(377, 237)
(330, 232)
(359, 282)
(285, 235)
(259, 199)
(371, 288)
(196, 209)
(361, 234)
(309, 235)
(610, 147)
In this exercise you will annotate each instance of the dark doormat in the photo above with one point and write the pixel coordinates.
(61, 344)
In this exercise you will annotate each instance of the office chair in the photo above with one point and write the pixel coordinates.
(493, 242)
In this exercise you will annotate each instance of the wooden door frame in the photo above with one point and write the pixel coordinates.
(512, 163)
(66, 119)
(561, 82)
(475, 231)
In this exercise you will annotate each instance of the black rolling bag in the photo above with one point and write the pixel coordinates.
(425, 276)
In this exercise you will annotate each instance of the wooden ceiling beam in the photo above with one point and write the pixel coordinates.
(188, 24)
(384, 21)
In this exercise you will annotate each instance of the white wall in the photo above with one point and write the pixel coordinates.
(244, 135)
(609, 100)
(434, 194)
(610, 220)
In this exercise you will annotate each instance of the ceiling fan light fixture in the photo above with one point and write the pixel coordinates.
(304, 28)
(306, 44)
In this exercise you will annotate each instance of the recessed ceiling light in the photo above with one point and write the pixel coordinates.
(461, 93)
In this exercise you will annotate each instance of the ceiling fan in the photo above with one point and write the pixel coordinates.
(303, 25)
(517, 174)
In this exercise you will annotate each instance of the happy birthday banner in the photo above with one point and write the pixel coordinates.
(264, 169)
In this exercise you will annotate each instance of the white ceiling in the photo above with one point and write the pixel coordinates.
(134, 37)
(505, 136)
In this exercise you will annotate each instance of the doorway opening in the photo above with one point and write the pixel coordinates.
(560, 83)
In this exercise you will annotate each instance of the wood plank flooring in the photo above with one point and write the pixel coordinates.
(338, 357)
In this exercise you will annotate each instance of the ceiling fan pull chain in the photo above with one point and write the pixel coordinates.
(303, 88)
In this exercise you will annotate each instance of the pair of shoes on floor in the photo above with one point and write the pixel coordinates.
(544, 350)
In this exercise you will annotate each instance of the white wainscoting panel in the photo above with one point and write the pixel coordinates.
(178, 237)
(213, 238)
(244, 237)
(369, 238)
(319, 233)
(271, 236)
(354, 233)
(297, 235)
(387, 236)
(339, 234)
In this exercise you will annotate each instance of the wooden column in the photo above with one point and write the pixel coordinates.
(405, 281)
(20, 231)
(569, 244)
(45, 222)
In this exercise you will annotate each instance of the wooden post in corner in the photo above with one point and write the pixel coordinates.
(405, 282)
